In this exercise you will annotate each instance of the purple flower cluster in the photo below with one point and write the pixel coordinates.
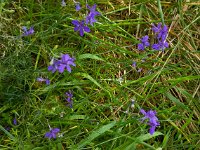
(65, 63)
(152, 119)
(69, 98)
(27, 32)
(81, 26)
(52, 133)
(161, 36)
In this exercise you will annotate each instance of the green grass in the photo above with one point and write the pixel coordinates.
(103, 81)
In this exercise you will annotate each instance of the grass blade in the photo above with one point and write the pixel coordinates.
(8, 134)
(95, 134)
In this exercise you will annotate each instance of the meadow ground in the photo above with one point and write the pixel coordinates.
(99, 105)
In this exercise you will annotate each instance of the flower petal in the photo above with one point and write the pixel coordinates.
(140, 46)
(47, 81)
(81, 32)
(143, 111)
(55, 130)
(75, 22)
(69, 68)
(65, 58)
(156, 46)
(86, 29)
(61, 68)
(48, 135)
(152, 130)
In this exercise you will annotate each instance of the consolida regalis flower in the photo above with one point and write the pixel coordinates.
(144, 42)
(52, 133)
(80, 26)
(78, 7)
(65, 63)
(27, 32)
(152, 119)
(90, 18)
(161, 35)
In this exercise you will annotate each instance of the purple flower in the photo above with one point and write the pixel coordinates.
(161, 35)
(65, 63)
(152, 119)
(40, 79)
(78, 7)
(144, 42)
(52, 134)
(79, 26)
(90, 18)
(134, 64)
(27, 32)
(47, 81)
(15, 121)
(63, 4)
(69, 98)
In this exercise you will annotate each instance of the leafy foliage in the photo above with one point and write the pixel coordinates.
(108, 92)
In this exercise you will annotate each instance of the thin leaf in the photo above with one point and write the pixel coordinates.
(176, 101)
(74, 117)
(145, 137)
(8, 133)
(91, 56)
(95, 134)
(85, 75)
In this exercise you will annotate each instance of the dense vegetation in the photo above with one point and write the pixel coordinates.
(101, 83)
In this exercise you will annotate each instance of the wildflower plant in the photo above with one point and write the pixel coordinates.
(90, 18)
(80, 26)
(52, 133)
(152, 119)
(27, 32)
(78, 7)
(64, 63)
(161, 36)
(103, 74)
(144, 42)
